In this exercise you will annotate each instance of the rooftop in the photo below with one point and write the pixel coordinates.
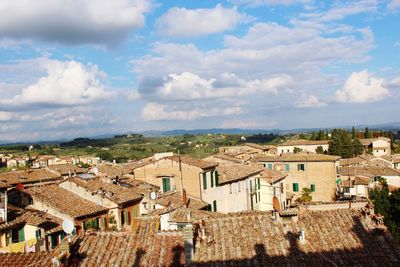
(202, 164)
(175, 200)
(65, 201)
(28, 176)
(66, 169)
(303, 142)
(297, 157)
(116, 193)
(261, 147)
(26, 259)
(234, 172)
(272, 176)
(369, 171)
(336, 237)
(368, 141)
(113, 170)
(144, 247)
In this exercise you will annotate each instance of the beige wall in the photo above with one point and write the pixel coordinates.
(153, 173)
(305, 148)
(321, 174)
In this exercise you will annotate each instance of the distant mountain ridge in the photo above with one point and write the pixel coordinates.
(391, 126)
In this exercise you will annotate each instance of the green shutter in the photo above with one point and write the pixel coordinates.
(298, 167)
(204, 181)
(216, 178)
(287, 167)
(270, 166)
(212, 179)
(313, 188)
(295, 187)
(166, 184)
(21, 234)
(259, 183)
(37, 234)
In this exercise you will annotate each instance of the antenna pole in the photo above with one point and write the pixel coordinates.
(180, 170)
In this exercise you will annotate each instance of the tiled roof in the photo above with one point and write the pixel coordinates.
(336, 237)
(17, 216)
(261, 147)
(369, 171)
(368, 141)
(272, 176)
(234, 172)
(224, 157)
(143, 247)
(26, 259)
(175, 200)
(113, 170)
(362, 180)
(182, 215)
(66, 169)
(65, 201)
(304, 142)
(202, 164)
(3, 185)
(116, 193)
(352, 161)
(28, 176)
(298, 157)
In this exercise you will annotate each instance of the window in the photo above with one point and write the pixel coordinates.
(287, 167)
(295, 187)
(239, 186)
(251, 186)
(281, 188)
(259, 183)
(53, 241)
(214, 205)
(127, 218)
(209, 207)
(265, 165)
(166, 184)
(212, 179)
(300, 167)
(230, 188)
(204, 181)
(270, 166)
(38, 234)
(216, 178)
(259, 197)
(312, 187)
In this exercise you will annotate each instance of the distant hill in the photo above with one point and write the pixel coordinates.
(392, 126)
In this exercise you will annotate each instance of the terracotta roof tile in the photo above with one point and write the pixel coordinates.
(272, 176)
(202, 164)
(190, 215)
(369, 171)
(113, 170)
(175, 200)
(117, 193)
(28, 176)
(65, 201)
(261, 147)
(303, 142)
(342, 237)
(66, 169)
(26, 259)
(234, 172)
(298, 157)
(144, 247)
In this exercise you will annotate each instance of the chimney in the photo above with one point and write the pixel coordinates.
(302, 237)
(188, 243)
(184, 198)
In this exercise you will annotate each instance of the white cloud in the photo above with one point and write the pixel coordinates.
(72, 22)
(182, 22)
(66, 83)
(5, 116)
(394, 4)
(348, 9)
(255, 3)
(309, 101)
(157, 111)
(362, 87)
(189, 86)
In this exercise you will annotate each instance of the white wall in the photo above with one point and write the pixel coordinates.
(305, 148)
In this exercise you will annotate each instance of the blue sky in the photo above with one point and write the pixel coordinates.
(88, 67)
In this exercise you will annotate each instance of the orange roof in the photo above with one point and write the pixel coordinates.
(28, 176)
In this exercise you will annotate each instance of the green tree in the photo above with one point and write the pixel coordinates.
(387, 205)
(296, 150)
(367, 133)
(342, 145)
(313, 136)
(305, 195)
(319, 150)
(353, 133)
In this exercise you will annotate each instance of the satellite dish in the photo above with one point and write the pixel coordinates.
(68, 226)
(153, 195)
(276, 204)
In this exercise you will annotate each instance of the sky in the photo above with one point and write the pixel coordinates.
(89, 67)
